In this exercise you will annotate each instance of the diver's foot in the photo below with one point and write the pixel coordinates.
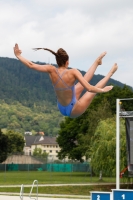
(113, 69)
(99, 59)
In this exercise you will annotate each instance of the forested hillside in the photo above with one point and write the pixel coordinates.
(18, 83)
(27, 100)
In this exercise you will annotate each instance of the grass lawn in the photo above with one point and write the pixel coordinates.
(12, 178)
(68, 190)
(18, 178)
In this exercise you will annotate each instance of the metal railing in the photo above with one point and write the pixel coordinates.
(30, 195)
(34, 182)
(22, 192)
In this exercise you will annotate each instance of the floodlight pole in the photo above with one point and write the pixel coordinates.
(117, 144)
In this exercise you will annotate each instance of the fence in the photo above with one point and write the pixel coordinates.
(18, 162)
(51, 167)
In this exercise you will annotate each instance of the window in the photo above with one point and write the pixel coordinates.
(50, 151)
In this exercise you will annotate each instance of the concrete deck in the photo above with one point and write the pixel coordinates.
(27, 198)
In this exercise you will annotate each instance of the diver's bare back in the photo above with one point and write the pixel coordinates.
(63, 96)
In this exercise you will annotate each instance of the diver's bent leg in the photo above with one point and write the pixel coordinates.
(89, 74)
(83, 103)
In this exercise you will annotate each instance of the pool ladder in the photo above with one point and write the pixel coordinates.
(30, 195)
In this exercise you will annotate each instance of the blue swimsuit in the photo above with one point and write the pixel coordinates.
(65, 110)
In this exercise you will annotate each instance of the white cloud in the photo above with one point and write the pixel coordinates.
(83, 28)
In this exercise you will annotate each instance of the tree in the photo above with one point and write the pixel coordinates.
(75, 134)
(103, 147)
(39, 153)
(15, 142)
(116, 93)
(3, 146)
(68, 138)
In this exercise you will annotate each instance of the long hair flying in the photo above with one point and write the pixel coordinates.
(61, 55)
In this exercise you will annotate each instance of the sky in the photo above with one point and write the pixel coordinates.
(84, 29)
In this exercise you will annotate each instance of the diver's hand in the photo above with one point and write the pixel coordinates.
(17, 51)
(107, 88)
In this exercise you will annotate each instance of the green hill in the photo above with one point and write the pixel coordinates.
(18, 83)
(27, 100)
